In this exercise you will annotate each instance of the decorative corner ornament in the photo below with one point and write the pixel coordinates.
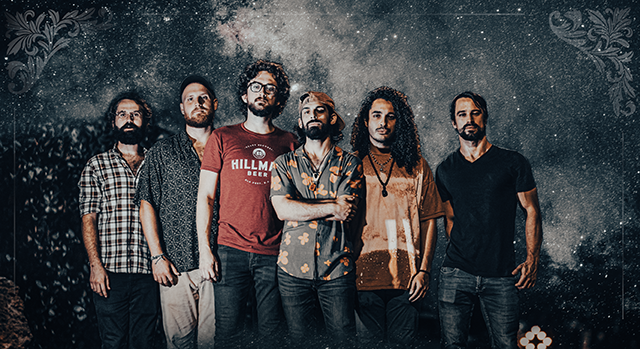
(40, 38)
(603, 42)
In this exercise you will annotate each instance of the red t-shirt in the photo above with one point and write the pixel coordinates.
(243, 161)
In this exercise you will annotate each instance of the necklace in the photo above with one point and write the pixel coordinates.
(371, 156)
(316, 172)
(384, 184)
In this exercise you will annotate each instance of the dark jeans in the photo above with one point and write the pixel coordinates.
(386, 311)
(127, 318)
(336, 299)
(240, 271)
(498, 298)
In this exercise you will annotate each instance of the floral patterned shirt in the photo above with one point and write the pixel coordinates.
(318, 249)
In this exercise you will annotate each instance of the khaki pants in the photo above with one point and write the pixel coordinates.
(188, 314)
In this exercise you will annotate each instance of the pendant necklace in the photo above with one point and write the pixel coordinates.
(384, 184)
(316, 172)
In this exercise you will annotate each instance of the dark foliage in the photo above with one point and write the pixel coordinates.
(42, 247)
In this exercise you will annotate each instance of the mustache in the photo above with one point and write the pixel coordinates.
(315, 120)
(129, 125)
(471, 124)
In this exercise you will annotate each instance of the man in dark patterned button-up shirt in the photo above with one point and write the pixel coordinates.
(167, 193)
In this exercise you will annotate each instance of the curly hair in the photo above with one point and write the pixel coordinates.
(133, 95)
(275, 69)
(477, 100)
(406, 146)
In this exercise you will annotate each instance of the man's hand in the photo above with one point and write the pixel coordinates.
(99, 281)
(419, 286)
(345, 208)
(528, 274)
(164, 272)
(209, 266)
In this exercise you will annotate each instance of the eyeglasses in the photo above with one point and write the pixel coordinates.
(123, 114)
(256, 87)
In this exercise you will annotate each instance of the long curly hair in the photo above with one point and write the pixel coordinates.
(275, 69)
(406, 146)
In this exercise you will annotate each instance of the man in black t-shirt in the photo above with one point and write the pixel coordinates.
(480, 185)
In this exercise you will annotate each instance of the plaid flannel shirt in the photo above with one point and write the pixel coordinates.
(107, 187)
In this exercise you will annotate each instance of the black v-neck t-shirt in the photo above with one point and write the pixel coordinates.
(483, 195)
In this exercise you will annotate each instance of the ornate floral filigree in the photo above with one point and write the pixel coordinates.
(604, 41)
(40, 38)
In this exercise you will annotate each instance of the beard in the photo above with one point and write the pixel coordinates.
(129, 137)
(316, 132)
(473, 137)
(263, 112)
(200, 118)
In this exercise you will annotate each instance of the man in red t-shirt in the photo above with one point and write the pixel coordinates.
(238, 160)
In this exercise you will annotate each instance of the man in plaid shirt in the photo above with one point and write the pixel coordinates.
(125, 293)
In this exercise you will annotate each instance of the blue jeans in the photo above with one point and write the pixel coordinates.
(127, 318)
(386, 311)
(336, 299)
(240, 271)
(498, 298)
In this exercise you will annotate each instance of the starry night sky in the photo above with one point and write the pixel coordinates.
(546, 97)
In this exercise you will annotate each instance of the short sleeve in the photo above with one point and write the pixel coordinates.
(90, 190)
(212, 157)
(352, 183)
(149, 180)
(442, 189)
(430, 204)
(524, 175)
(281, 180)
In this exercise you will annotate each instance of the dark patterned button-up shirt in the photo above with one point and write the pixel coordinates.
(169, 182)
(318, 249)
(107, 187)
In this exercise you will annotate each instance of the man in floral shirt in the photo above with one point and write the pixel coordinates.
(315, 190)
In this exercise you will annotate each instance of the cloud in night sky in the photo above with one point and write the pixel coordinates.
(434, 52)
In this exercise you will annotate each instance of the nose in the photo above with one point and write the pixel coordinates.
(131, 116)
(200, 100)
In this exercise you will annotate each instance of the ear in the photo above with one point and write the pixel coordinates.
(182, 108)
(334, 118)
(215, 104)
(300, 122)
(453, 123)
(244, 98)
(366, 121)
